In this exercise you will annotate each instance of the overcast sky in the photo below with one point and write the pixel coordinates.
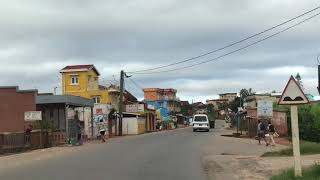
(40, 37)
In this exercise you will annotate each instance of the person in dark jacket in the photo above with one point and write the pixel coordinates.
(261, 131)
(271, 131)
(28, 134)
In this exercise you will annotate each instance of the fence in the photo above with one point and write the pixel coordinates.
(13, 142)
(280, 125)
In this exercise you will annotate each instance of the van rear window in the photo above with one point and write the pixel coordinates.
(200, 119)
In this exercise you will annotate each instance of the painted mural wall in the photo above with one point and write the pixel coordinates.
(161, 108)
(100, 118)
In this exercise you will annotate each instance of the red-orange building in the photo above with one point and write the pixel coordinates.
(164, 99)
(14, 103)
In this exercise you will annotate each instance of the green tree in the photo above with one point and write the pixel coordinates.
(186, 110)
(233, 105)
(244, 93)
(210, 111)
(299, 80)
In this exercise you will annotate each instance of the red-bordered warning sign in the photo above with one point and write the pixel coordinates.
(293, 94)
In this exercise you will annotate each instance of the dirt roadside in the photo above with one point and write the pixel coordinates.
(241, 160)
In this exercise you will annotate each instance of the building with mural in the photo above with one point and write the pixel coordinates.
(83, 81)
(164, 100)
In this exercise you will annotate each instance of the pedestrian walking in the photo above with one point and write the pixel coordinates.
(261, 131)
(79, 133)
(28, 134)
(102, 134)
(272, 132)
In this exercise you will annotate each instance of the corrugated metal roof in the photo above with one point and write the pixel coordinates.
(86, 67)
(64, 99)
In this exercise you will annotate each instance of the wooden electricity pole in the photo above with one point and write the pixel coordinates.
(122, 74)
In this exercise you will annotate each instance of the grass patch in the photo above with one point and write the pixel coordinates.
(305, 149)
(311, 173)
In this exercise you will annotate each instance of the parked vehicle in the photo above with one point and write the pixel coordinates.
(200, 122)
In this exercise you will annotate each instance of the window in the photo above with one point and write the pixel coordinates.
(97, 99)
(89, 78)
(74, 80)
(200, 119)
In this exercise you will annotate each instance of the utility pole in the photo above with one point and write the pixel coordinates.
(55, 90)
(318, 59)
(122, 74)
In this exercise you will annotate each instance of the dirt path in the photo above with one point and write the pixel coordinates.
(251, 167)
(238, 158)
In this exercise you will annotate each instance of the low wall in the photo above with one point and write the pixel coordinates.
(18, 140)
(279, 120)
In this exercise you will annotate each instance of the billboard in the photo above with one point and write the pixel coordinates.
(32, 115)
(264, 108)
(134, 108)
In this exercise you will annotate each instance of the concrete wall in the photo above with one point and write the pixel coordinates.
(100, 118)
(133, 125)
(252, 100)
(279, 120)
(12, 107)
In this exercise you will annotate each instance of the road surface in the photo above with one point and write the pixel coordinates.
(168, 155)
(172, 155)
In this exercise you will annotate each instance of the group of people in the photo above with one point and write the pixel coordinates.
(266, 132)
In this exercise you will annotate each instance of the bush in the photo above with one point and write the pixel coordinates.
(309, 121)
(305, 148)
(311, 173)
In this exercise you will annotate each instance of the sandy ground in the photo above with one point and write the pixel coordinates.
(241, 160)
(251, 167)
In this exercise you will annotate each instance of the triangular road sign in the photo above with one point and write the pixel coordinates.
(293, 94)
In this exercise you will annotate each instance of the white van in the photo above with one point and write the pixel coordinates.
(200, 122)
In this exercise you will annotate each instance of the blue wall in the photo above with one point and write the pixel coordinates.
(164, 112)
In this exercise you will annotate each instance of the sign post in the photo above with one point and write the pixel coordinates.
(294, 96)
(295, 140)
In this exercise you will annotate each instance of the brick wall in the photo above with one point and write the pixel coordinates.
(279, 120)
(13, 104)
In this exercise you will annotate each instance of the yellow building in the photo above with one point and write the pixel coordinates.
(83, 80)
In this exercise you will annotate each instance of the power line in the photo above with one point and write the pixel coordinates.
(227, 46)
(234, 51)
(136, 84)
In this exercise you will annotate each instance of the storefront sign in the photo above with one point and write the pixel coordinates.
(134, 108)
(32, 115)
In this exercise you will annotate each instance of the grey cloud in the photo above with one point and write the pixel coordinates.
(38, 38)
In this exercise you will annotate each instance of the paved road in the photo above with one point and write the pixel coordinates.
(172, 155)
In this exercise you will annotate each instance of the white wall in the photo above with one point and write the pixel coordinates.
(86, 117)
